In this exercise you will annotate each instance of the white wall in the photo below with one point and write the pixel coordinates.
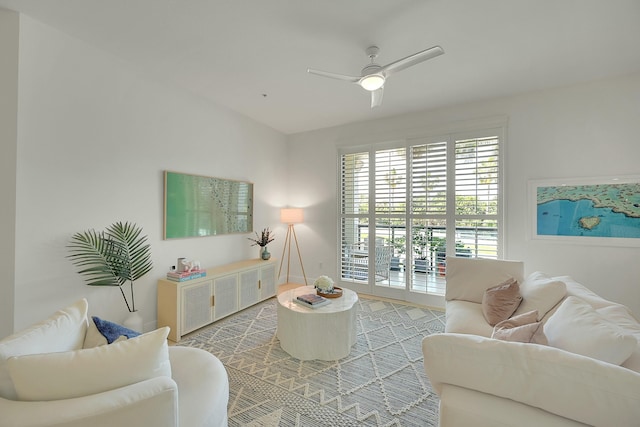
(584, 130)
(9, 25)
(94, 137)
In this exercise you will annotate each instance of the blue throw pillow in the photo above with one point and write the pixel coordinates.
(111, 331)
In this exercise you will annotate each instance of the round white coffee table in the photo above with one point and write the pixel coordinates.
(323, 333)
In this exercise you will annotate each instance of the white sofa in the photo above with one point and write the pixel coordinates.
(485, 382)
(50, 374)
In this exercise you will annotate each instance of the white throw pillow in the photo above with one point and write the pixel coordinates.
(93, 337)
(55, 376)
(621, 316)
(540, 292)
(578, 328)
(63, 331)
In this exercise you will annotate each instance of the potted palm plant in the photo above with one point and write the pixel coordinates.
(112, 257)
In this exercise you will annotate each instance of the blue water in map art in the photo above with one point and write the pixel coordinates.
(561, 218)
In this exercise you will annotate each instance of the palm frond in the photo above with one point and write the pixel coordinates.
(112, 257)
(135, 255)
(91, 252)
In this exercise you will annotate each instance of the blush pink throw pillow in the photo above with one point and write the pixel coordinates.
(521, 328)
(501, 301)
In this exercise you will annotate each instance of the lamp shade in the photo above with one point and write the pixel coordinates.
(291, 215)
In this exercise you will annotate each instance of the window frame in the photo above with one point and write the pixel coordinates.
(459, 132)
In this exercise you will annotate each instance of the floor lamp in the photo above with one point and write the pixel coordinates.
(291, 216)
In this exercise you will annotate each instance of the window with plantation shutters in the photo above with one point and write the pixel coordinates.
(477, 195)
(354, 209)
(429, 183)
(390, 182)
(354, 179)
(407, 205)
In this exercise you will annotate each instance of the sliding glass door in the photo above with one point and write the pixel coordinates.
(406, 206)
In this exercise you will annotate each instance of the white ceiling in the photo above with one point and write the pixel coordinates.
(252, 55)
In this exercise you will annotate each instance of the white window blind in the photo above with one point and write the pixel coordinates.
(391, 182)
(477, 195)
(429, 178)
(354, 179)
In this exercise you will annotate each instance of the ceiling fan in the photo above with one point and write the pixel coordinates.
(373, 76)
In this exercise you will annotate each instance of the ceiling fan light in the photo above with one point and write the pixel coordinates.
(372, 82)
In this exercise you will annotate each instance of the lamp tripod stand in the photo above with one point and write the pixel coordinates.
(287, 245)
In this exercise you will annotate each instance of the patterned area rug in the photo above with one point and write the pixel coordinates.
(381, 383)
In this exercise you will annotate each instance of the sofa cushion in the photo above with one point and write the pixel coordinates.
(566, 384)
(65, 375)
(501, 301)
(63, 331)
(468, 278)
(540, 292)
(578, 328)
(464, 317)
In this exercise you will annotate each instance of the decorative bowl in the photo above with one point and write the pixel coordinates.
(337, 293)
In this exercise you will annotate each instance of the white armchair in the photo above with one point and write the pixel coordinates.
(357, 259)
(383, 261)
(47, 378)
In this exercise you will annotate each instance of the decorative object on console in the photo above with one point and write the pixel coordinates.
(263, 240)
(291, 216)
(112, 257)
(186, 266)
(189, 275)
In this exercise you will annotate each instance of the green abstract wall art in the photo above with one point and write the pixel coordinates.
(199, 206)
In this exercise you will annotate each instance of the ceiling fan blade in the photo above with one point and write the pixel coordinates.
(351, 79)
(410, 60)
(376, 97)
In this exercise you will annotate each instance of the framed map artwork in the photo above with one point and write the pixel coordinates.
(589, 210)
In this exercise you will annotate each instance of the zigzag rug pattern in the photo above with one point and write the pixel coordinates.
(381, 383)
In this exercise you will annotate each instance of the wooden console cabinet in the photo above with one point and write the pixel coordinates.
(192, 304)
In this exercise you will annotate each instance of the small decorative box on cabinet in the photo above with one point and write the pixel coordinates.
(187, 306)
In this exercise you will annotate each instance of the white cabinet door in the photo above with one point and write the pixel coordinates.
(249, 287)
(225, 291)
(267, 281)
(196, 307)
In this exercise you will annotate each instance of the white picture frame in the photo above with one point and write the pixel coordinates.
(588, 211)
